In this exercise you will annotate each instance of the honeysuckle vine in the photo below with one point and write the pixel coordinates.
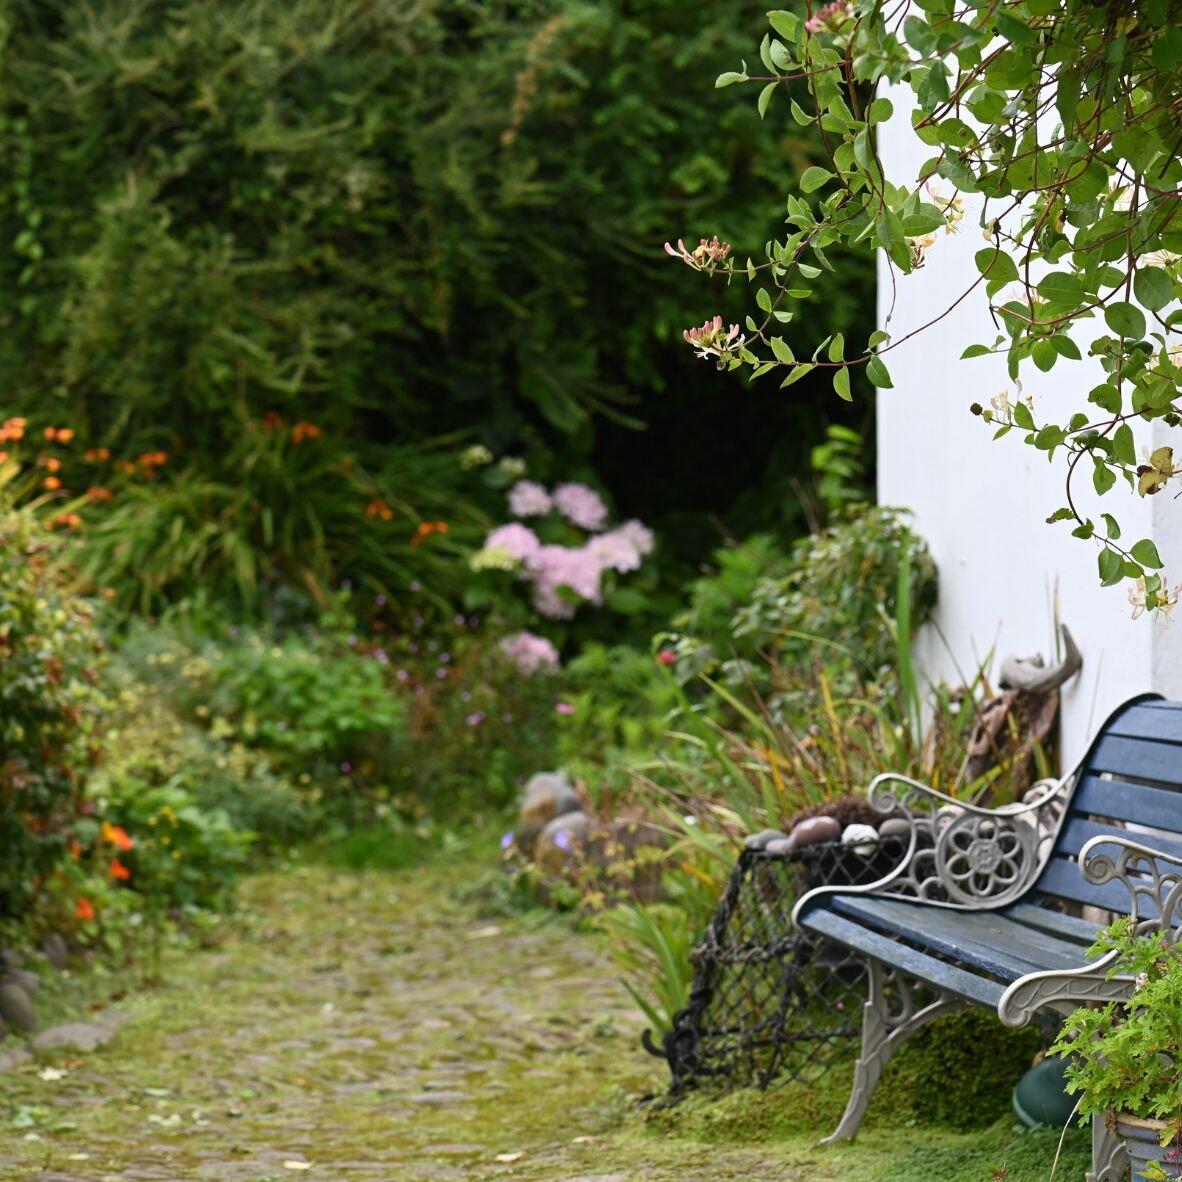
(1064, 118)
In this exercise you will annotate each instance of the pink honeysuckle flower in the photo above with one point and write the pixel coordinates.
(712, 340)
(707, 256)
(831, 19)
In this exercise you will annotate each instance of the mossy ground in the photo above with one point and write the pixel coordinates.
(365, 1026)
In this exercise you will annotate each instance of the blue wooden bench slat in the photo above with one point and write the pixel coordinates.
(926, 968)
(1149, 720)
(1078, 831)
(1061, 878)
(1081, 932)
(986, 941)
(1138, 803)
(1141, 759)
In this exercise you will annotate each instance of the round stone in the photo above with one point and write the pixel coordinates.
(545, 784)
(562, 841)
(814, 830)
(780, 846)
(15, 1007)
(895, 827)
(863, 839)
(758, 841)
(25, 978)
(537, 810)
(56, 950)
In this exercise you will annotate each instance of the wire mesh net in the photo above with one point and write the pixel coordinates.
(768, 1001)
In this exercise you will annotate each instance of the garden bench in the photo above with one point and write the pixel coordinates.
(987, 906)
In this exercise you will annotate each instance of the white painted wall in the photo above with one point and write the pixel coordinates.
(982, 505)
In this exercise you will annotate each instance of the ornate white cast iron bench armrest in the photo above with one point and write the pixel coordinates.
(984, 906)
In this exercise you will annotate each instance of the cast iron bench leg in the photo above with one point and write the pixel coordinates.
(1110, 1162)
(889, 1018)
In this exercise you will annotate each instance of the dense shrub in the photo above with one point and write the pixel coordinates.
(50, 709)
(832, 605)
(279, 242)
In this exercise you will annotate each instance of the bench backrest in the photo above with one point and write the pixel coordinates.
(1131, 775)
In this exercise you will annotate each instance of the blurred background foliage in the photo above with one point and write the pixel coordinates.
(303, 249)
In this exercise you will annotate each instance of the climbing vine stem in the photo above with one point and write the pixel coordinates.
(1063, 121)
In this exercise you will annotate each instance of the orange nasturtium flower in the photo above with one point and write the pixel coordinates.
(118, 870)
(117, 836)
(84, 909)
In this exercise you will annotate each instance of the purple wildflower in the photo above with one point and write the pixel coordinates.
(562, 840)
(475, 718)
(402, 675)
(507, 839)
(346, 768)
(564, 708)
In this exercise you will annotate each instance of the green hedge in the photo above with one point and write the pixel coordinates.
(392, 221)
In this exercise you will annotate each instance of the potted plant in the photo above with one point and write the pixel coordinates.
(1126, 1056)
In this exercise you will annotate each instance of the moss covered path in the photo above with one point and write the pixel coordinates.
(367, 1027)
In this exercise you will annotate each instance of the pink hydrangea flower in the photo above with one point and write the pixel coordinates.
(624, 548)
(576, 568)
(527, 498)
(581, 506)
(516, 539)
(530, 653)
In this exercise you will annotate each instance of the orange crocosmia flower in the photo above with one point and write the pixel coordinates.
(273, 421)
(95, 493)
(97, 454)
(379, 509)
(426, 529)
(118, 870)
(66, 520)
(304, 430)
(52, 483)
(61, 434)
(84, 910)
(51, 463)
(117, 835)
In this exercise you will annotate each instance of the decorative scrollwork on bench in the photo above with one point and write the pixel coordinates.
(1153, 879)
(961, 854)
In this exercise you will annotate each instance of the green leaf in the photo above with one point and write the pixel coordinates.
(837, 347)
(1061, 288)
(1103, 476)
(796, 374)
(975, 351)
(1145, 554)
(1123, 447)
(1044, 354)
(1110, 525)
(1112, 567)
(729, 79)
(1126, 320)
(765, 97)
(781, 349)
(1153, 287)
(997, 265)
(785, 23)
(841, 383)
(878, 374)
(813, 178)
